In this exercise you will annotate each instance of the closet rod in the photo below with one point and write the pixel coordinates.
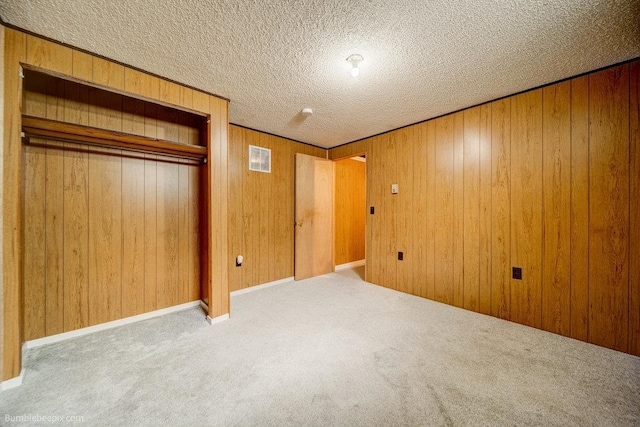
(53, 129)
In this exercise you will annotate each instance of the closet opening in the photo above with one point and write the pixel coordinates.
(115, 205)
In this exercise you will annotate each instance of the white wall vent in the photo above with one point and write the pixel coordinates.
(259, 159)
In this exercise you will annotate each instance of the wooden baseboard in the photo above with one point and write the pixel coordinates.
(108, 325)
(353, 264)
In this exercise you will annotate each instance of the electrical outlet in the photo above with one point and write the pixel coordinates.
(400, 256)
(372, 210)
(517, 273)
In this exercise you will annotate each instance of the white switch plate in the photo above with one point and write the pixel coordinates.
(394, 188)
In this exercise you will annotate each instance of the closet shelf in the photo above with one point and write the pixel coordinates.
(86, 135)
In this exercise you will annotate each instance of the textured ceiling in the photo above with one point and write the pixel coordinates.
(271, 58)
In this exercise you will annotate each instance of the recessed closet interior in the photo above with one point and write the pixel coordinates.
(108, 232)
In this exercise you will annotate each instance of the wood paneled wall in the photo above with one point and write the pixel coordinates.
(107, 234)
(350, 206)
(261, 206)
(547, 180)
(2, 133)
(21, 48)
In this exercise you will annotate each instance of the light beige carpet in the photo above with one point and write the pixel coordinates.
(331, 350)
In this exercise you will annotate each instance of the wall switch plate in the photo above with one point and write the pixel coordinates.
(394, 188)
(517, 273)
(400, 256)
(371, 210)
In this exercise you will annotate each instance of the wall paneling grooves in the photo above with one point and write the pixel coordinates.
(350, 206)
(261, 206)
(547, 180)
(102, 235)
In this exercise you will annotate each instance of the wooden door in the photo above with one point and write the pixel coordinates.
(313, 216)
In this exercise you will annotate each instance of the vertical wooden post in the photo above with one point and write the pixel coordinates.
(217, 202)
(15, 51)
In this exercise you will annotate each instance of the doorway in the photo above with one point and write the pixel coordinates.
(350, 213)
(330, 215)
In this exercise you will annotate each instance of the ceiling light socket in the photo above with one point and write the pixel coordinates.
(307, 111)
(354, 60)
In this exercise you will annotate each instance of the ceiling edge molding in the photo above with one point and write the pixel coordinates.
(628, 61)
(280, 136)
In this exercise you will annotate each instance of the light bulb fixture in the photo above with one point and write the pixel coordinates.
(354, 60)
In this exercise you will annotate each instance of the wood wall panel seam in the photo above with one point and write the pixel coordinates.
(609, 142)
(579, 207)
(458, 215)
(471, 207)
(556, 202)
(484, 300)
(526, 110)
